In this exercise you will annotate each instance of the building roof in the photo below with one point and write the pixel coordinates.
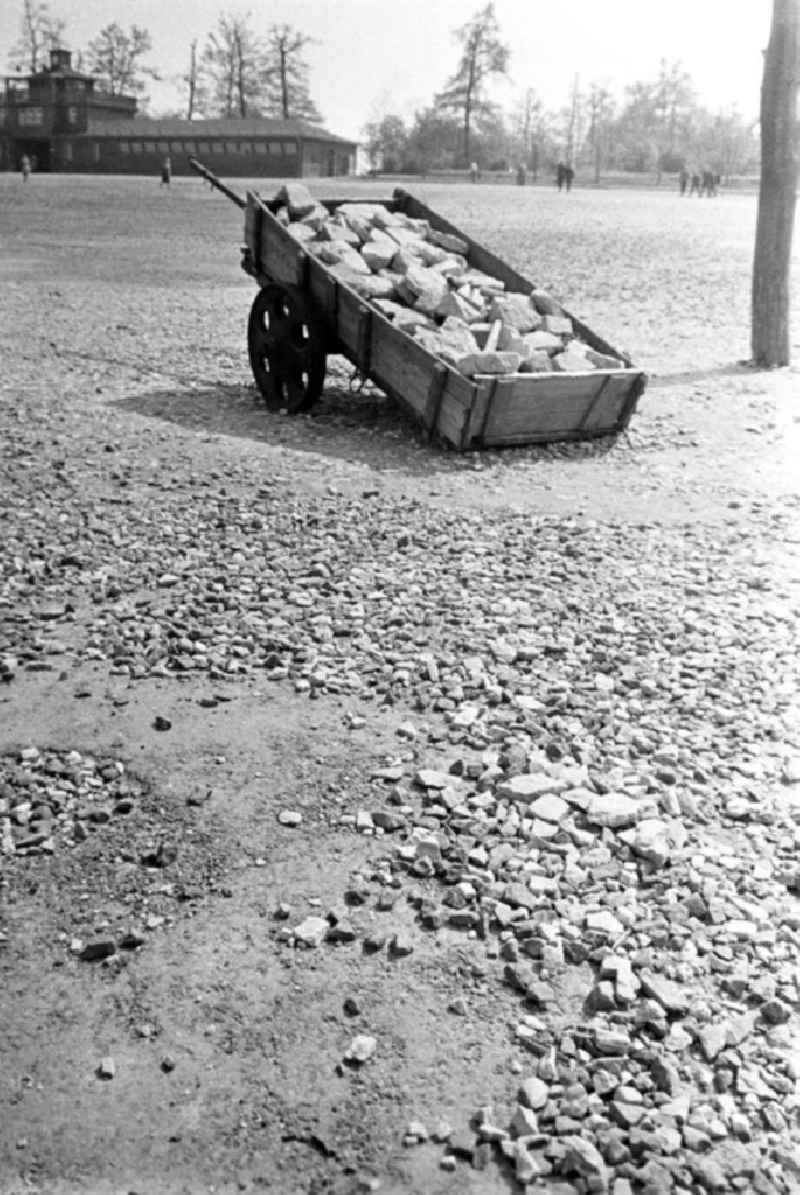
(246, 126)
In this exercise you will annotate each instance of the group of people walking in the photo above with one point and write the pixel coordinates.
(564, 176)
(698, 183)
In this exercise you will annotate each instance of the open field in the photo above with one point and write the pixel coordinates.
(228, 616)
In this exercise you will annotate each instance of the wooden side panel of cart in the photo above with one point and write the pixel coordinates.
(515, 409)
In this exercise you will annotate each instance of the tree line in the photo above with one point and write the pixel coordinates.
(237, 71)
(658, 125)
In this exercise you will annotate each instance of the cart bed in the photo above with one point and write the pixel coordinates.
(487, 411)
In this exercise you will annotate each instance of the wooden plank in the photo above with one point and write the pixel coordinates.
(281, 257)
(348, 320)
(545, 407)
(435, 396)
(403, 369)
(252, 224)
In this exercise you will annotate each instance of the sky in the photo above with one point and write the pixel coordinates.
(378, 56)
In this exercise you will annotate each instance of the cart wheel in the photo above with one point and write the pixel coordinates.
(286, 348)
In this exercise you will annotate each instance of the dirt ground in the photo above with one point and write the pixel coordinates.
(129, 421)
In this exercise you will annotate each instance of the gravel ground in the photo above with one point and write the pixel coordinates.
(381, 818)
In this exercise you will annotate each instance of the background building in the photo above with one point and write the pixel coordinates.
(64, 122)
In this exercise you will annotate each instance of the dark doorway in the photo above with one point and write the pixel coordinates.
(37, 151)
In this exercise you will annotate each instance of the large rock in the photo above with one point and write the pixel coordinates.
(672, 996)
(571, 362)
(517, 311)
(317, 218)
(335, 253)
(529, 785)
(430, 254)
(448, 241)
(451, 342)
(337, 229)
(536, 363)
(454, 304)
(301, 232)
(383, 218)
(378, 254)
(615, 811)
(489, 363)
(545, 304)
(546, 341)
(423, 288)
(358, 223)
(369, 286)
(298, 199)
(560, 325)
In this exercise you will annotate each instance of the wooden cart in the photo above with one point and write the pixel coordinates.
(302, 312)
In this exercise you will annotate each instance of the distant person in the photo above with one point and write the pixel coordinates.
(473, 172)
(521, 174)
(709, 184)
(561, 175)
(683, 180)
(25, 167)
(569, 177)
(166, 172)
(695, 184)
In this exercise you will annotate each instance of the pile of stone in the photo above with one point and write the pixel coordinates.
(421, 280)
(658, 970)
(49, 798)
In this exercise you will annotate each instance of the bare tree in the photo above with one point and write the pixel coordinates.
(233, 62)
(600, 112)
(483, 54)
(115, 56)
(286, 75)
(40, 31)
(778, 190)
(574, 121)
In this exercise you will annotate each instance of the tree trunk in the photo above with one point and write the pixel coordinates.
(467, 121)
(284, 84)
(777, 191)
(192, 80)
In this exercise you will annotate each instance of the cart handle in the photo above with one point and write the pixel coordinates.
(209, 175)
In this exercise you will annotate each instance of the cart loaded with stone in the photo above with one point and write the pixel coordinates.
(478, 355)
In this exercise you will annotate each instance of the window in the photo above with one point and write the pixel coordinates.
(260, 148)
(217, 147)
(31, 117)
(231, 147)
(176, 147)
(276, 148)
(124, 147)
(290, 149)
(136, 147)
(67, 151)
(162, 147)
(148, 147)
(190, 147)
(72, 115)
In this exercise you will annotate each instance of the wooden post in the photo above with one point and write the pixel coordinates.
(778, 190)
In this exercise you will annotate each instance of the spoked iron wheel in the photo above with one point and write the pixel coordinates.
(286, 347)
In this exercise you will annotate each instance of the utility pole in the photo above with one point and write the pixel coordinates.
(778, 188)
